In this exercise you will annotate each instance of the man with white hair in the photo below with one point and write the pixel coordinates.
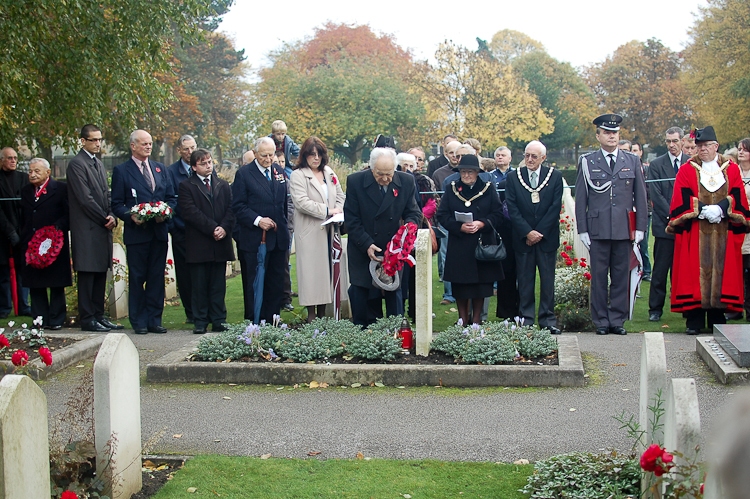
(260, 204)
(534, 195)
(378, 202)
(11, 183)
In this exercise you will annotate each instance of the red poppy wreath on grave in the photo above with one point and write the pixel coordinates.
(399, 249)
(44, 247)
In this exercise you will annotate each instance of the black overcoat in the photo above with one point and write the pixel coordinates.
(203, 212)
(460, 265)
(50, 209)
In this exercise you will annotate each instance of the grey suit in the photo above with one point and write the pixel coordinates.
(602, 212)
(661, 197)
(89, 201)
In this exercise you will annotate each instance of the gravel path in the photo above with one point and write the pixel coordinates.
(411, 423)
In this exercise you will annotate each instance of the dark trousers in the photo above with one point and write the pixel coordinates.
(643, 248)
(507, 289)
(746, 279)
(209, 291)
(273, 283)
(663, 257)
(409, 291)
(367, 304)
(51, 308)
(182, 273)
(610, 307)
(146, 263)
(6, 298)
(696, 318)
(91, 288)
(287, 280)
(527, 265)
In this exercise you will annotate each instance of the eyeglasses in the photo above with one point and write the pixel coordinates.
(93, 140)
(672, 141)
(531, 156)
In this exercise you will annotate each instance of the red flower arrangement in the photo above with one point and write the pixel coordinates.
(587, 276)
(150, 211)
(399, 248)
(4, 343)
(19, 358)
(46, 356)
(44, 247)
(68, 494)
(656, 460)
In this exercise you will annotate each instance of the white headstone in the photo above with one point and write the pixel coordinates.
(423, 290)
(117, 414)
(653, 383)
(24, 448)
(170, 290)
(569, 215)
(118, 297)
(682, 421)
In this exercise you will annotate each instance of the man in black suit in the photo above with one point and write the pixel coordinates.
(91, 224)
(11, 183)
(662, 168)
(205, 202)
(534, 199)
(378, 202)
(178, 172)
(260, 199)
(442, 159)
(141, 180)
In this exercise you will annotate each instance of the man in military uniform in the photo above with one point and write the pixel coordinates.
(610, 185)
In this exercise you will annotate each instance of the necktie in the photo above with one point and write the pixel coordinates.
(611, 161)
(208, 184)
(533, 180)
(676, 166)
(147, 174)
(383, 189)
(268, 175)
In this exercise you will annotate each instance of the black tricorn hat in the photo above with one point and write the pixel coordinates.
(609, 122)
(468, 162)
(706, 134)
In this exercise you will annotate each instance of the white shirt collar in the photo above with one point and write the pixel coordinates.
(90, 155)
(261, 169)
(203, 179)
(605, 153)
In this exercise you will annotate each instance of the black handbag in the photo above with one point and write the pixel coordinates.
(490, 252)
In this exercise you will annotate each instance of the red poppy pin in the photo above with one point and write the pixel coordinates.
(334, 180)
(158, 170)
(395, 193)
(460, 189)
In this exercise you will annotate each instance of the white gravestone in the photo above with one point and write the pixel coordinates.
(117, 414)
(24, 448)
(682, 425)
(118, 297)
(653, 381)
(423, 290)
(569, 210)
(170, 290)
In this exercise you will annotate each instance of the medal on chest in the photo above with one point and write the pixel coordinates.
(467, 202)
(535, 198)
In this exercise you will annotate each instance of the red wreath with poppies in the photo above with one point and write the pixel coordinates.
(399, 249)
(44, 247)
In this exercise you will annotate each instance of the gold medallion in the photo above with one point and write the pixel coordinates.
(534, 197)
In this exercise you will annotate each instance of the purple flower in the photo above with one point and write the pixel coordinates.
(315, 333)
(460, 322)
(288, 335)
(466, 332)
(284, 326)
(272, 354)
(476, 327)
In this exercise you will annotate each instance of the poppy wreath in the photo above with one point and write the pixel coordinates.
(44, 247)
(399, 249)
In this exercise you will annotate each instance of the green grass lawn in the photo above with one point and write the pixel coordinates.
(242, 477)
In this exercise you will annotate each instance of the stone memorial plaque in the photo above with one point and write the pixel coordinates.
(735, 340)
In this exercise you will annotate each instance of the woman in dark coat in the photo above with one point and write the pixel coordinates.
(471, 279)
(45, 202)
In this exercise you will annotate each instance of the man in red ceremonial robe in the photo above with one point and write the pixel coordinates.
(709, 217)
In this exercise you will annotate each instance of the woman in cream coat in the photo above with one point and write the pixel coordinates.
(316, 194)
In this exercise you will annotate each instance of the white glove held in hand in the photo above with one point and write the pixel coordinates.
(585, 239)
(712, 213)
(639, 236)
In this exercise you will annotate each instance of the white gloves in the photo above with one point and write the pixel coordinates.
(639, 236)
(712, 213)
(585, 239)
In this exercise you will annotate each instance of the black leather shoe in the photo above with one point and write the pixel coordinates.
(733, 316)
(218, 328)
(618, 330)
(199, 330)
(107, 323)
(157, 329)
(553, 330)
(56, 327)
(288, 306)
(692, 332)
(654, 317)
(602, 330)
(647, 278)
(140, 330)
(94, 326)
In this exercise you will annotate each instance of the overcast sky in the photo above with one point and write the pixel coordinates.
(581, 32)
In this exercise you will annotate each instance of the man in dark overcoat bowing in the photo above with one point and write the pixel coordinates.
(534, 195)
(141, 180)
(44, 202)
(260, 204)
(378, 201)
(91, 224)
(205, 202)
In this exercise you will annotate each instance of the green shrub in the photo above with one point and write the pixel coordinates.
(378, 342)
(581, 475)
(571, 317)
